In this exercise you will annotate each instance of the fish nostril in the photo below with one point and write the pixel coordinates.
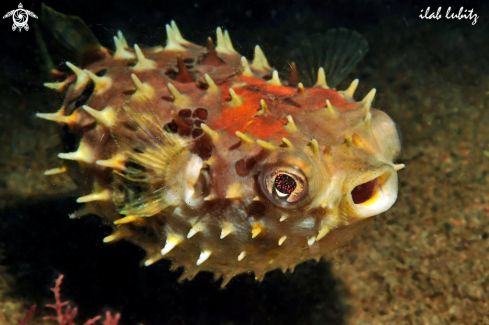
(364, 192)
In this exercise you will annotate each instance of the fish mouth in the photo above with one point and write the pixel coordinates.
(373, 193)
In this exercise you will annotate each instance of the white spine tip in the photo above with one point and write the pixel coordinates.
(101, 83)
(351, 89)
(245, 68)
(122, 38)
(55, 171)
(244, 137)
(174, 91)
(291, 126)
(171, 241)
(204, 256)
(172, 40)
(227, 228)
(370, 96)
(265, 145)
(311, 240)
(330, 107)
(97, 196)
(212, 85)
(210, 132)
(321, 81)
(241, 256)
(142, 62)
(229, 43)
(236, 100)
(224, 44)
(275, 81)
(398, 167)
(178, 36)
(281, 240)
(74, 68)
(260, 61)
(120, 51)
(83, 154)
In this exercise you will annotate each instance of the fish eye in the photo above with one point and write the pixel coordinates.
(284, 185)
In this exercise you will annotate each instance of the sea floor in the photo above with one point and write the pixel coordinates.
(425, 261)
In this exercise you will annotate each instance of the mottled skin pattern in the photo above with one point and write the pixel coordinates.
(199, 157)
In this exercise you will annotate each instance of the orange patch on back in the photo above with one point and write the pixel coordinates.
(243, 118)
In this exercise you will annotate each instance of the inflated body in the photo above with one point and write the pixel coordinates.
(200, 157)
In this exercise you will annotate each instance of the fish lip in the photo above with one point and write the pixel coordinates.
(383, 197)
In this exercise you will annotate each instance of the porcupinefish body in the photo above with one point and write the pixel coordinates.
(215, 163)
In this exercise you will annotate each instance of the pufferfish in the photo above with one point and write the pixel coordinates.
(200, 157)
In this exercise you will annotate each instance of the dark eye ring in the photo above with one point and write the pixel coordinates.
(285, 185)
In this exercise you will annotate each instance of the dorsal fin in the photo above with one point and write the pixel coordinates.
(70, 36)
(337, 51)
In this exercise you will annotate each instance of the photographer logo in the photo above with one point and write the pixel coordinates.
(20, 17)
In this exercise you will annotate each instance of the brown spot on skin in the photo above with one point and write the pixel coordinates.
(204, 147)
(254, 89)
(184, 132)
(235, 146)
(172, 127)
(129, 92)
(291, 102)
(256, 210)
(245, 166)
(171, 73)
(183, 121)
(241, 169)
(185, 112)
(197, 133)
(200, 113)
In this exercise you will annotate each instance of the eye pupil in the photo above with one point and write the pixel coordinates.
(285, 184)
